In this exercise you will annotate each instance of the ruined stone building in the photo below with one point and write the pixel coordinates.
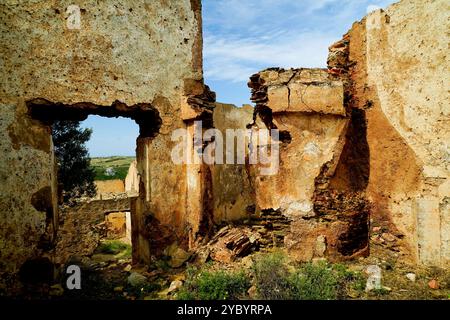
(362, 143)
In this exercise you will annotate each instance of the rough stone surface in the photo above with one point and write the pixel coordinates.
(106, 187)
(411, 276)
(374, 278)
(116, 224)
(175, 285)
(177, 255)
(28, 210)
(83, 226)
(229, 243)
(395, 71)
(136, 279)
(133, 59)
(231, 182)
(312, 144)
(303, 90)
(365, 140)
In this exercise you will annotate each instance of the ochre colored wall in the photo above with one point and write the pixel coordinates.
(400, 77)
(124, 57)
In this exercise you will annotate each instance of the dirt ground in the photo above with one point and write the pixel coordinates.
(106, 276)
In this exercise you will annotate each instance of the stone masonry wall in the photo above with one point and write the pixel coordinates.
(83, 226)
(307, 107)
(363, 143)
(134, 59)
(105, 188)
(395, 71)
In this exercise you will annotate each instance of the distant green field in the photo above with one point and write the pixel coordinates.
(117, 165)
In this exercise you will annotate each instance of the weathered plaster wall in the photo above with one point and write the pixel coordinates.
(399, 75)
(105, 187)
(27, 189)
(124, 57)
(376, 122)
(307, 107)
(314, 135)
(84, 225)
(141, 50)
(116, 224)
(132, 180)
(232, 189)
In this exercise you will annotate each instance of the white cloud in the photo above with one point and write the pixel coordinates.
(372, 7)
(236, 59)
(243, 37)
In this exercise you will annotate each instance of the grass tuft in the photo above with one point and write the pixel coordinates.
(213, 285)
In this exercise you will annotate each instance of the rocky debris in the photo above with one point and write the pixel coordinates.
(175, 285)
(388, 237)
(349, 209)
(202, 254)
(252, 292)
(321, 246)
(154, 273)
(377, 239)
(374, 279)
(127, 268)
(229, 243)
(177, 255)
(83, 226)
(433, 284)
(338, 57)
(387, 240)
(272, 226)
(411, 276)
(199, 104)
(136, 279)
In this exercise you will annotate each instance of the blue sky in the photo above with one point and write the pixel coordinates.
(242, 37)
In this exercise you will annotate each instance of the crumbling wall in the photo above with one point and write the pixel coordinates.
(28, 210)
(83, 226)
(307, 107)
(109, 187)
(116, 224)
(232, 189)
(395, 70)
(376, 121)
(134, 59)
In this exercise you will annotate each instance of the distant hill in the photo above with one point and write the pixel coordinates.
(109, 168)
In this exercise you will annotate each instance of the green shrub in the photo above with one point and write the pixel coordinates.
(213, 285)
(272, 277)
(125, 254)
(309, 281)
(349, 281)
(115, 247)
(185, 294)
(314, 282)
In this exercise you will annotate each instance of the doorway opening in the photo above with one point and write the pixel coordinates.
(86, 226)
